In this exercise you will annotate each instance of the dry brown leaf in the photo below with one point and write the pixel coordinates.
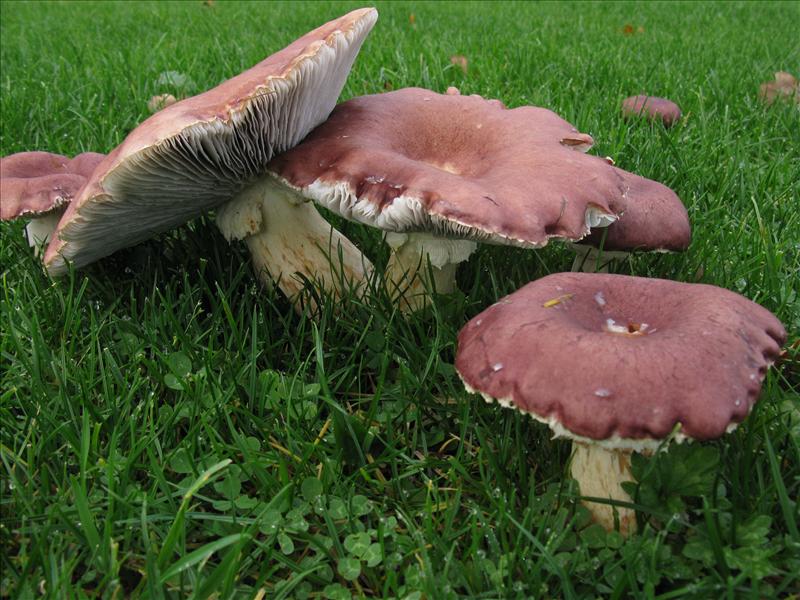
(629, 29)
(460, 61)
(785, 87)
(156, 103)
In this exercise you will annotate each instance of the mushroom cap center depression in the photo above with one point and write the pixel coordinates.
(603, 312)
(449, 137)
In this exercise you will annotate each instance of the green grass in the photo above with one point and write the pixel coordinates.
(171, 429)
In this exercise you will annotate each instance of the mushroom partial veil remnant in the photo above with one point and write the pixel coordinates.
(439, 172)
(654, 220)
(619, 364)
(212, 149)
(39, 186)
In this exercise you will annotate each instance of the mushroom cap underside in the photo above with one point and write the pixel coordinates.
(199, 152)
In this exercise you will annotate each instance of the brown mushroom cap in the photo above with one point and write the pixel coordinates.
(622, 359)
(654, 219)
(460, 166)
(36, 183)
(652, 107)
(198, 153)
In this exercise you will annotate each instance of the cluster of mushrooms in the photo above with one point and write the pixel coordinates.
(637, 361)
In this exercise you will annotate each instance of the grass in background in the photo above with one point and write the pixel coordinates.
(171, 429)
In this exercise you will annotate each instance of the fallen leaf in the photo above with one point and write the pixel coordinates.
(460, 61)
(785, 87)
(156, 103)
(559, 300)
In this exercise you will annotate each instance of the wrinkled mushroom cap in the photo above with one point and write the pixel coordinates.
(654, 219)
(462, 166)
(36, 183)
(621, 359)
(652, 107)
(199, 152)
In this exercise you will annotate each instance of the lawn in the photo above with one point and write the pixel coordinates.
(172, 429)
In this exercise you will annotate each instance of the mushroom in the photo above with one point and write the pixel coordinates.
(653, 108)
(39, 185)
(654, 220)
(438, 172)
(202, 152)
(619, 364)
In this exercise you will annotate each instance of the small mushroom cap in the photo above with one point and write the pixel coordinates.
(652, 107)
(453, 165)
(199, 152)
(654, 219)
(36, 183)
(622, 359)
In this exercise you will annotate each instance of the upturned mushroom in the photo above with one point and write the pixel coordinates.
(38, 186)
(619, 364)
(438, 172)
(212, 149)
(654, 220)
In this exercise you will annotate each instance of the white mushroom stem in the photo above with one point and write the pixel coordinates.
(589, 259)
(600, 473)
(290, 241)
(407, 273)
(40, 229)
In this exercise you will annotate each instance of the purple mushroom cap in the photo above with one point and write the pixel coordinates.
(652, 107)
(622, 359)
(654, 220)
(458, 166)
(36, 183)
